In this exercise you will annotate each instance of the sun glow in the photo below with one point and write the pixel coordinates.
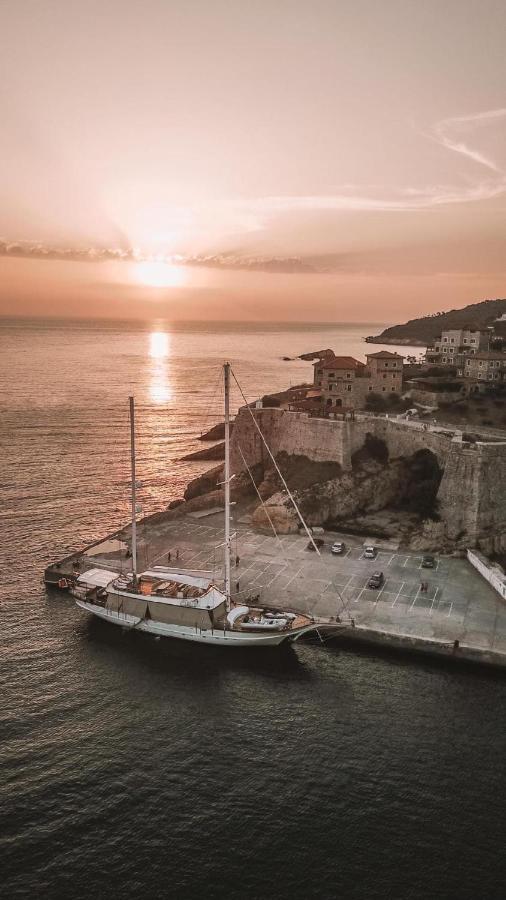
(159, 274)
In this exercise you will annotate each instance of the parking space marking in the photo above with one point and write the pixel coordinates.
(360, 594)
(380, 593)
(399, 592)
(433, 599)
(293, 577)
(416, 596)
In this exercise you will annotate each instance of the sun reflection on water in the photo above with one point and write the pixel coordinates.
(160, 389)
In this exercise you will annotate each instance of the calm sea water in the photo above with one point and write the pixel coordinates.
(132, 768)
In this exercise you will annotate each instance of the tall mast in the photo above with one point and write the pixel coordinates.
(226, 375)
(134, 519)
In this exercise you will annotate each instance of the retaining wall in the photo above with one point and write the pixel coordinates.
(472, 493)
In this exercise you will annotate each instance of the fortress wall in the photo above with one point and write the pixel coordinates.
(472, 494)
(402, 438)
(321, 440)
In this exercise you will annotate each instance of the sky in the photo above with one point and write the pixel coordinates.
(324, 160)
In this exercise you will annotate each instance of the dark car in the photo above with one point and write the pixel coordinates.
(376, 580)
(428, 562)
(319, 543)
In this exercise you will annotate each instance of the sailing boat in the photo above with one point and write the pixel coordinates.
(185, 603)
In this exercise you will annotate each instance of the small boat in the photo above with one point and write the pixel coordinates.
(185, 603)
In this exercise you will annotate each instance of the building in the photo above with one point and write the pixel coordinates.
(486, 366)
(344, 382)
(454, 346)
(385, 370)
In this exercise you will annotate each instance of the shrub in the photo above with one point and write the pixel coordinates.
(375, 403)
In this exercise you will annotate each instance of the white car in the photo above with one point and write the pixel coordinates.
(338, 547)
(370, 553)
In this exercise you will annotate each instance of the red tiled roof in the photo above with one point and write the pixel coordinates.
(384, 354)
(340, 362)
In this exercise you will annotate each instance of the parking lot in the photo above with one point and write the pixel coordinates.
(457, 604)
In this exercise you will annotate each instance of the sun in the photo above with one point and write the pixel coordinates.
(159, 274)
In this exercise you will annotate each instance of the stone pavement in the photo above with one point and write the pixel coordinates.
(458, 604)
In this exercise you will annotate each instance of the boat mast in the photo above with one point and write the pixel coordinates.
(134, 519)
(226, 376)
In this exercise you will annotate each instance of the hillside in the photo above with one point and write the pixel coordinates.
(423, 331)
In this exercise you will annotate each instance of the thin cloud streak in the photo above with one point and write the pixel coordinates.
(409, 199)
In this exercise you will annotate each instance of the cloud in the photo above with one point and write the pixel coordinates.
(447, 133)
(443, 130)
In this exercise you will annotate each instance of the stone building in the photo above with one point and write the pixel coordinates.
(486, 366)
(455, 345)
(344, 382)
(385, 372)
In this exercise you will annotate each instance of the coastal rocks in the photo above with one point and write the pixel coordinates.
(276, 514)
(204, 483)
(208, 453)
(372, 487)
(206, 486)
(216, 433)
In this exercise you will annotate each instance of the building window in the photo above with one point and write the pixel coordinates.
(349, 387)
(384, 376)
(383, 388)
(394, 365)
(386, 365)
(452, 340)
(370, 387)
(472, 341)
(320, 372)
(332, 374)
(392, 389)
(348, 374)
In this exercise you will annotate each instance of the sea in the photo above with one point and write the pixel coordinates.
(134, 768)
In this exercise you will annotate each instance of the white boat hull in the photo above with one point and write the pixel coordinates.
(217, 637)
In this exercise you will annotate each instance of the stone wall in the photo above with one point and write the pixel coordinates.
(472, 493)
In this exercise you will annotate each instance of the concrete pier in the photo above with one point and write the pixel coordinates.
(459, 616)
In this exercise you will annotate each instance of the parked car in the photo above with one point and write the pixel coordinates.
(428, 562)
(376, 580)
(319, 543)
(338, 547)
(370, 552)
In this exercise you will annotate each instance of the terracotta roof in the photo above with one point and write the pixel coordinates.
(384, 354)
(340, 362)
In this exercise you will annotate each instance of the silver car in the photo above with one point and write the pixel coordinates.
(370, 553)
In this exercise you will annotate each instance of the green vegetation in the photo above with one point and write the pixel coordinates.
(386, 403)
(425, 329)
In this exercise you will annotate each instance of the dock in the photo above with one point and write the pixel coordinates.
(458, 616)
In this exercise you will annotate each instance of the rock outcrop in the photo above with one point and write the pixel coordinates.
(217, 451)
